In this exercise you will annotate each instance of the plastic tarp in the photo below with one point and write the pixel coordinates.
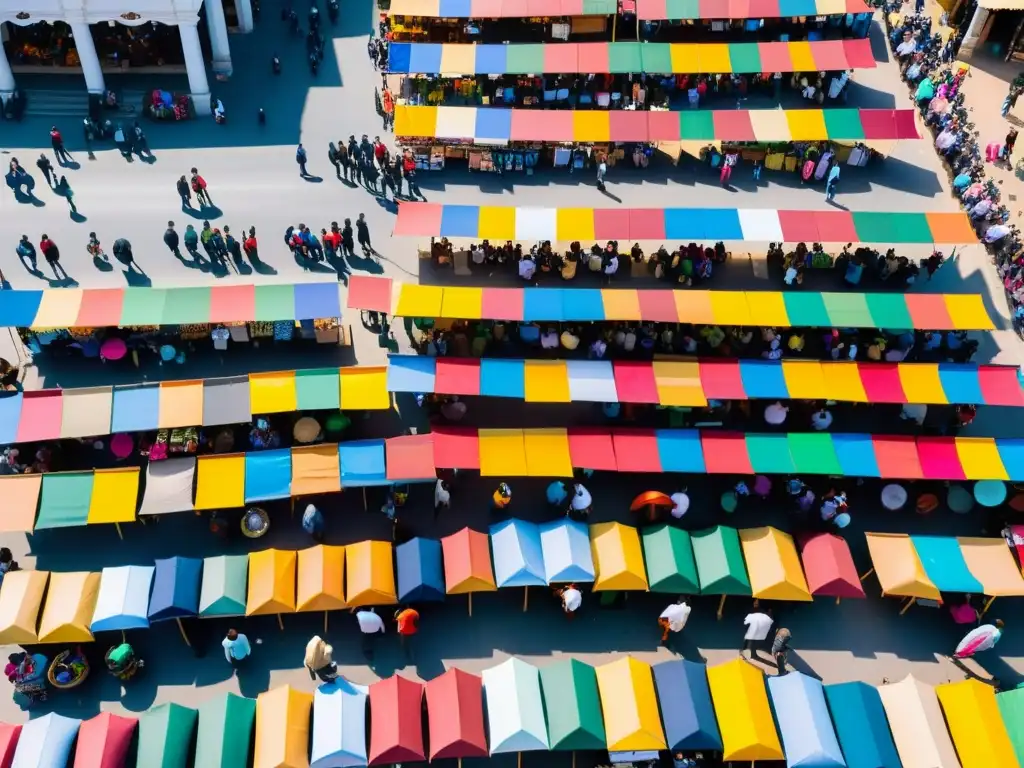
(719, 559)
(223, 589)
(992, 563)
(944, 564)
(861, 725)
(515, 708)
(573, 705)
(898, 567)
(420, 570)
(979, 733)
(21, 499)
(618, 558)
(629, 706)
(565, 550)
(67, 612)
(668, 555)
(282, 728)
(320, 584)
(225, 731)
(268, 475)
(369, 574)
(21, 600)
(773, 565)
(363, 463)
(176, 583)
(271, 582)
(808, 738)
(467, 562)
(339, 725)
(115, 495)
(46, 742)
(917, 725)
(103, 741)
(123, 600)
(517, 554)
(315, 469)
(169, 486)
(455, 715)
(1011, 707)
(686, 709)
(743, 712)
(165, 733)
(829, 567)
(396, 721)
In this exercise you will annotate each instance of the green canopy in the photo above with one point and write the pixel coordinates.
(223, 592)
(719, 560)
(318, 389)
(274, 302)
(1011, 707)
(814, 453)
(165, 735)
(770, 454)
(572, 705)
(225, 730)
(187, 305)
(624, 58)
(668, 555)
(65, 499)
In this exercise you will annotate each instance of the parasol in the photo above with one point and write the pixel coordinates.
(762, 486)
(557, 493)
(167, 353)
(113, 349)
(306, 430)
(581, 498)
(121, 445)
(649, 501)
(255, 523)
(990, 493)
(729, 501)
(337, 422)
(959, 500)
(894, 497)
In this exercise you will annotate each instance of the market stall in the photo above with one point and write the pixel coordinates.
(169, 486)
(992, 563)
(565, 551)
(410, 459)
(46, 741)
(363, 464)
(176, 586)
(221, 482)
(69, 606)
(104, 740)
(744, 714)
(629, 706)
(467, 564)
(225, 731)
(518, 557)
(320, 580)
(165, 733)
(618, 558)
(573, 706)
(21, 601)
(515, 708)
(668, 557)
(339, 724)
(721, 570)
(268, 475)
(272, 580)
(224, 587)
(975, 724)
(455, 715)
(861, 725)
(917, 725)
(315, 470)
(829, 567)
(396, 721)
(21, 499)
(808, 737)
(899, 570)
(773, 565)
(282, 728)
(420, 572)
(686, 708)
(944, 564)
(122, 602)
(369, 574)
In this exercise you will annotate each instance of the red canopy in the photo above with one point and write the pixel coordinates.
(396, 721)
(103, 741)
(456, 448)
(829, 567)
(410, 457)
(455, 712)
(592, 448)
(373, 293)
(9, 742)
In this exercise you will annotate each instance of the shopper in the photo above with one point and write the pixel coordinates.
(300, 158)
(199, 187)
(236, 647)
(185, 192)
(363, 235)
(171, 239)
(370, 625)
(672, 621)
(52, 255)
(44, 165)
(313, 523)
(758, 623)
(57, 142)
(780, 649)
(319, 660)
(408, 620)
(27, 251)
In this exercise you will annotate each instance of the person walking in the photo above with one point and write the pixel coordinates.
(758, 623)
(185, 192)
(191, 240)
(1011, 140)
(780, 649)
(171, 239)
(44, 165)
(370, 625)
(342, 157)
(236, 647)
(602, 169)
(57, 142)
(572, 599)
(363, 235)
(300, 158)
(313, 523)
(408, 620)
(501, 497)
(332, 157)
(672, 621)
(233, 246)
(199, 187)
(832, 183)
(250, 246)
(319, 660)
(348, 246)
(52, 255)
(979, 639)
(64, 190)
(27, 251)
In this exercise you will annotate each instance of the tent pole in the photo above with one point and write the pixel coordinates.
(838, 599)
(470, 603)
(721, 607)
(181, 628)
(117, 527)
(519, 760)
(615, 22)
(526, 598)
(123, 638)
(906, 607)
(573, 760)
(280, 622)
(325, 622)
(366, 504)
(872, 570)
(988, 604)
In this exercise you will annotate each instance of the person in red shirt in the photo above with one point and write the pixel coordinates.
(57, 141)
(408, 620)
(199, 187)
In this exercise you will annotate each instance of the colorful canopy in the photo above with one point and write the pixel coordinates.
(686, 709)
(573, 706)
(282, 728)
(123, 599)
(176, 583)
(455, 715)
(917, 725)
(271, 582)
(320, 578)
(992, 563)
(369, 574)
(9, 735)
(668, 555)
(169, 486)
(268, 475)
(396, 721)
(719, 559)
(1011, 707)
(315, 469)
(773, 565)
(339, 725)
(618, 559)
(68, 610)
(21, 499)
(515, 710)
(655, 10)
(829, 567)
(103, 741)
(744, 715)
(975, 723)
(861, 726)
(165, 733)
(46, 742)
(517, 554)
(221, 481)
(420, 570)
(944, 565)
(629, 706)
(21, 600)
(628, 58)
(467, 562)
(363, 463)
(759, 225)
(808, 738)
(898, 567)
(223, 589)
(225, 730)
(80, 498)
(565, 551)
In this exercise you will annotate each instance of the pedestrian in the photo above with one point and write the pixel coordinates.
(191, 240)
(332, 156)
(1010, 101)
(57, 142)
(602, 169)
(206, 238)
(90, 133)
(300, 158)
(236, 647)
(64, 189)
(442, 496)
(348, 246)
(363, 235)
(234, 249)
(185, 191)
(408, 625)
(758, 623)
(572, 599)
(171, 239)
(94, 249)
(313, 523)
(343, 160)
(832, 183)
(1011, 139)
(199, 187)
(44, 165)
(319, 660)
(218, 244)
(27, 251)
(780, 649)
(370, 625)
(501, 497)
(672, 620)
(52, 255)
(979, 639)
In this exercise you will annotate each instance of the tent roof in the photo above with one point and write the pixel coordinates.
(396, 720)
(222, 591)
(339, 724)
(1011, 707)
(573, 705)
(944, 564)
(21, 601)
(829, 567)
(9, 735)
(686, 709)
(467, 562)
(719, 559)
(618, 558)
(176, 583)
(169, 486)
(773, 565)
(46, 741)
(975, 723)
(565, 546)
(123, 599)
(668, 555)
(103, 741)
(165, 733)
(282, 728)
(225, 730)
(68, 609)
(517, 554)
(917, 725)
(898, 568)
(861, 726)
(515, 710)
(420, 570)
(369, 574)
(320, 578)
(808, 738)
(992, 563)
(629, 706)
(743, 712)
(456, 715)
(271, 582)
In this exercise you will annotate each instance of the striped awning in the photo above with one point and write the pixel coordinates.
(653, 10)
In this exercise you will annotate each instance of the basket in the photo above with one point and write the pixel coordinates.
(60, 659)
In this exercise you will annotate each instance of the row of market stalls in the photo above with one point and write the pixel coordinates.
(655, 10)
(514, 707)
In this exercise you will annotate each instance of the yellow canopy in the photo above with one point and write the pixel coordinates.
(546, 381)
(273, 392)
(976, 725)
(502, 453)
(773, 564)
(744, 715)
(221, 483)
(315, 469)
(631, 719)
(271, 582)
(69, 606)
(321, 579)
(547, 452)
(898, 567)
(992, 563)
(282, 728)
(20, 601)
(618, 560)
(365, 388)
(917, 725)
(370, 574)
(115, 495)
(21, 499)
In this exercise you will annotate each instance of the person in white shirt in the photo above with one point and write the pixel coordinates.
(758, 624)
(369, 625)
(821, 420)
(478, 255)
(672, 621)
(775, 414)
(572, 599)
(236, 647)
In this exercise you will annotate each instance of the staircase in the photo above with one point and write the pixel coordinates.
(73, 103)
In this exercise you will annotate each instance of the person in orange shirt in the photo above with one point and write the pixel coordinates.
(502, 497)
(408, 620)
(388, 107)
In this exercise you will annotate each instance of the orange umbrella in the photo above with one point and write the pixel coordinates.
(649, 501)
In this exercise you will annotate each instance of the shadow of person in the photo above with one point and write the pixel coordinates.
(78, 218)
(834, 204)
(313, 179)
(203, 212)
(365, 264)
(197, 261)
(606, 193)
(261, 267)
(103, 265)
(72, 165)
(28, 198)
(137, 279)
(240, 266)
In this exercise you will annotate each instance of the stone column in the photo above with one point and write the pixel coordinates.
(243, 9)
(196, 67)
(87, 54)
(218, 37)
(6, 76)
(973, 35)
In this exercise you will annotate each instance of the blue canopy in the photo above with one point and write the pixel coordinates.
(268, 475)
(175, 588)
(420, 570)
(46, 742)
(10, 417)
(565, 550)
(686, 709)
(135, 408)
(517, 555)
(808, 738)
(411, 373)
(861, 725)
(944, 564)
(362, 463)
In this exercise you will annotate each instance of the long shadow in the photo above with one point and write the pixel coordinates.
(203, 212)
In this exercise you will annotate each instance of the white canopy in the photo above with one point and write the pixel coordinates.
(515, 712)
(339, 725)
(565, 548)
(169, 486)
(123, 600)
(46, 742)
(917, 724)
